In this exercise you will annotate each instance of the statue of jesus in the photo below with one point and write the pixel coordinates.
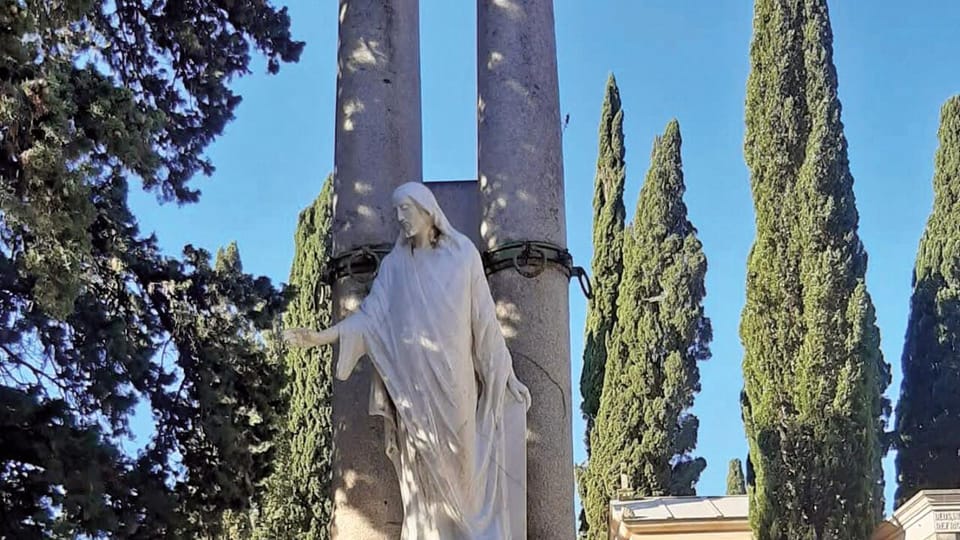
(429, 328)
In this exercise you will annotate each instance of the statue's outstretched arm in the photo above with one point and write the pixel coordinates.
(305, 337)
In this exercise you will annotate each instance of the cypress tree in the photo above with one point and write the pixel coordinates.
(813, 372)
(607, 264)
(928, 412)
(644, 429)
(736, 485)
(297, 504)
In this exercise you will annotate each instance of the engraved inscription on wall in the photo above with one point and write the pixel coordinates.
(947, 521)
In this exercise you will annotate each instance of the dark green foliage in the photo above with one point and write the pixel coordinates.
(644, 430)
(297, 504)
(94, 318)
(813, 372)
(607, 264)
(736, 485)
(928, 412)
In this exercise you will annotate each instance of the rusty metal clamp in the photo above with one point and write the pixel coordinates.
(529, 258)
(361, 264)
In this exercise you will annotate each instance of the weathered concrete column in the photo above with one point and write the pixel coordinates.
(521, 184)
(377, 147)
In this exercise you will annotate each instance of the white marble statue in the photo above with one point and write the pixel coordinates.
(444, 380)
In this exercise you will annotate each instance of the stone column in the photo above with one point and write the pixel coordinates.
(520, 172)
(377, 147)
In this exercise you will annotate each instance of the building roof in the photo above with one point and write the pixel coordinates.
(681, 508)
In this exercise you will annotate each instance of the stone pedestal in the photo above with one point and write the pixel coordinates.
(520, 171)
(377, 147)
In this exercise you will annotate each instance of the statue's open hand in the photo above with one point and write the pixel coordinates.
(300, 337)
(519, 391)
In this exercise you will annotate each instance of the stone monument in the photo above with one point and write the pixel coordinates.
(931, 514)
(521, 227)
(443, 380)
(520, 171)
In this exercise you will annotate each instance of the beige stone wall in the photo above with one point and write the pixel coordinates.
(689, 536)
(707, 531)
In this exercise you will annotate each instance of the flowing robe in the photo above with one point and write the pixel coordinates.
(430, 330)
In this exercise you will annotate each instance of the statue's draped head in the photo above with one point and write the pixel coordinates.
(417, 210)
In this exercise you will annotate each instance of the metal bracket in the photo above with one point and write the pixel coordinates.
(361, 264)
(529, 258)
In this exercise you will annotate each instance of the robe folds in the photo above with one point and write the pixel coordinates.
(429, 328)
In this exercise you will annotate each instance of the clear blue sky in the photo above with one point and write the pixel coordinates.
(680, 59)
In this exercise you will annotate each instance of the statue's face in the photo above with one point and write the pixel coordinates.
(413, 220)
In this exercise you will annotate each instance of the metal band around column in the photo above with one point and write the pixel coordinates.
(531, 257)
(361, 264)
(528, 257)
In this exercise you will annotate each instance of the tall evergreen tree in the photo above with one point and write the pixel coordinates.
(644, 429)
(297, 504)
(928, 412)
(813, 372)
(736, 485)
(94, 318)
(607, 265)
